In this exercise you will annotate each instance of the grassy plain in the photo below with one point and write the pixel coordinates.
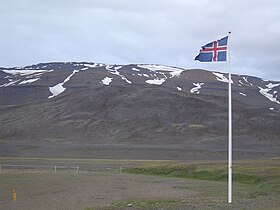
(140, 184)
(256, 184)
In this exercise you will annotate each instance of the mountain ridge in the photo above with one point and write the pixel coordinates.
(57, 78)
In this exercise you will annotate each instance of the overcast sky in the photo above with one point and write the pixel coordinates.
(168, 32)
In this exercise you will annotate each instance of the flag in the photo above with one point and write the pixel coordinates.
(213, 51)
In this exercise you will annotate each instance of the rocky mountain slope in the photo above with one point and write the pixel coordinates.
(83, 107)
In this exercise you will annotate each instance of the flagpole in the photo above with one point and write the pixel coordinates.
(229, 125)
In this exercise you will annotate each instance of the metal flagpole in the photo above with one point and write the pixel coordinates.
(229, 125)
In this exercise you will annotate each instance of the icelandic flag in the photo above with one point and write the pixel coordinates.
(213, 51)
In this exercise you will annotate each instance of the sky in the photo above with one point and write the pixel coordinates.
(166, 32)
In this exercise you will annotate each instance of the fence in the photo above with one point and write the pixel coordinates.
(55, 168)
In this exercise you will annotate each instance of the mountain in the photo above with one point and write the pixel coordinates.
(134, 111)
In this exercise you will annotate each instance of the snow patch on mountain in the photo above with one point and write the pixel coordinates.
(156, 81)
(176, 73)
(240, 81)
(28, 81)
(58, 89)
(9, 83)
(35, 75)
(24, 72)
(118, 67)
(246, 80)
(270, 85)
(125, 79)
(135, 69)
(220, 77)
(163, 75)
(113, 70)
(157, 68)
(87, 65)
(91, 65)
(29, 76)
(265, 92)
(106, 80)
(196, 88)
(145, 75)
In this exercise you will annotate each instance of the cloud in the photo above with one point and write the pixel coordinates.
(168, 32)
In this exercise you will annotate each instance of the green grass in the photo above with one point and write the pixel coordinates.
(263, 174)
(193, 173)
(85, 160)
(255, 177)
(139, 204)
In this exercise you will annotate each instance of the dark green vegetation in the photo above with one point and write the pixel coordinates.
(193, 172)
(262, 173)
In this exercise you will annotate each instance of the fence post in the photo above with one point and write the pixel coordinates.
(77, 171)
(14, 195)
(55, 169)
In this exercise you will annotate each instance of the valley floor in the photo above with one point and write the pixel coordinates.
(141, 151)
(102, 184)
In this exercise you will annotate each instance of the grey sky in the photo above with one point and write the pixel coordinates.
(168, 32)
